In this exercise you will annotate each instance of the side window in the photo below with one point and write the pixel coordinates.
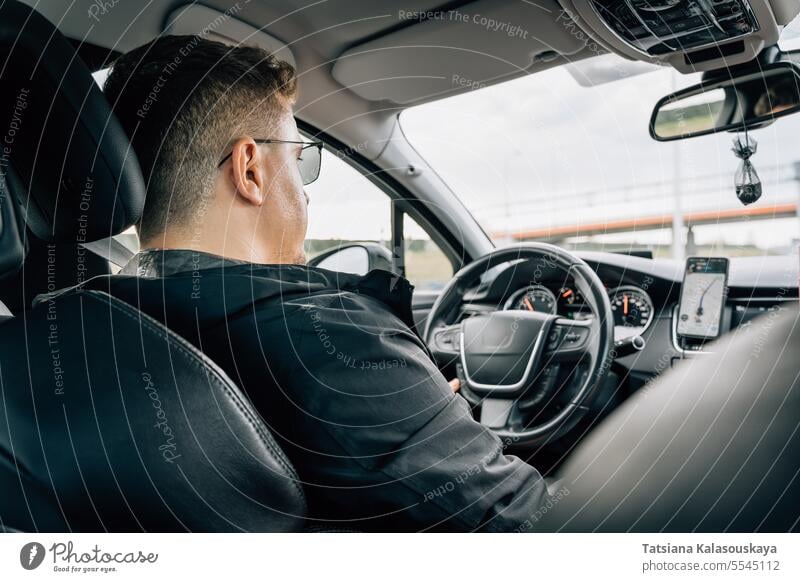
(427, 267)
(345, 207)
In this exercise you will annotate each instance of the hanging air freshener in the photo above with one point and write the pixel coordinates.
(747, 182)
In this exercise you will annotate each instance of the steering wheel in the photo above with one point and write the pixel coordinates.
(509, 361)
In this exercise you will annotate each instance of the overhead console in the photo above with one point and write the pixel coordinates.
(660, 27)
(690, 35)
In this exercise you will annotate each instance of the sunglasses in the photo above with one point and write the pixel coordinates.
(308, 163)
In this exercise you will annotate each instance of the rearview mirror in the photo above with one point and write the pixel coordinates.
(729, 104)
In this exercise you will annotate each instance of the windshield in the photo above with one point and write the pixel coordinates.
(548, 158)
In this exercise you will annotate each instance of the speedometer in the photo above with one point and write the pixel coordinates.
(632, 308)
(533, 298)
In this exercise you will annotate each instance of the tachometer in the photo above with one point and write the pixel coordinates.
(632, 307)
(569, 296)
(533, 298)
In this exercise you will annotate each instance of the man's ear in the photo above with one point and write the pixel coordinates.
(248, 171)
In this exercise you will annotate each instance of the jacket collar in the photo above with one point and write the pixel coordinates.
(153, 263)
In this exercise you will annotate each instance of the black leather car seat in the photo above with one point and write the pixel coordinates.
(110, 421)
(117, 424)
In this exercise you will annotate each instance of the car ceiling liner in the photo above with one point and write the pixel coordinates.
(224, 27)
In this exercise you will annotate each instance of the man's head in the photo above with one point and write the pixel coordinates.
(186, 104)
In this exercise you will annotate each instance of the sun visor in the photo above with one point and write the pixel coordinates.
(224, 27)
(438, 53)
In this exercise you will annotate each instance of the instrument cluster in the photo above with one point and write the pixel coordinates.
(631, 305)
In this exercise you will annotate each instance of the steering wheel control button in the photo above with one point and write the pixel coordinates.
(553, 338)
(448, 340)
(575, 338)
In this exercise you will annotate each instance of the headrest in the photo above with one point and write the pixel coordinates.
(12, 245)
(81, 180)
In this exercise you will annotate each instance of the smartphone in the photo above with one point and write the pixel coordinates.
(702, 297)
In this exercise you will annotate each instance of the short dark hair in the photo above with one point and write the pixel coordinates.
(183, 100)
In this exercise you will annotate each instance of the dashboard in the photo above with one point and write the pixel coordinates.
(644, 295)
(646, 298)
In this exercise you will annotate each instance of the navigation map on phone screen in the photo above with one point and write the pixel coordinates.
(702, 297)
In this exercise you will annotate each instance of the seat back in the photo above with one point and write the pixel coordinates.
(113, 423)
(713, 445)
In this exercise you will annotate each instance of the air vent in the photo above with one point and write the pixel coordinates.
(660, 27)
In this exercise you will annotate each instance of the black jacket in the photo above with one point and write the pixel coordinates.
(348, 389)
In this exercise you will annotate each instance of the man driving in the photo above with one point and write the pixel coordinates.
(330, 361)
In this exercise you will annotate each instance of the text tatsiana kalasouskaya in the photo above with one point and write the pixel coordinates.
(712, 548)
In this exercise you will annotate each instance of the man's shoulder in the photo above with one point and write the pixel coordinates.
(324, 293)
